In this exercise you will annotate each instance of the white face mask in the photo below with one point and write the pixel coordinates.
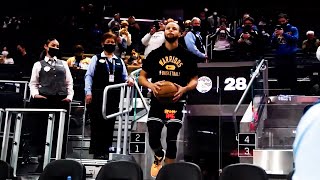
(5, 53)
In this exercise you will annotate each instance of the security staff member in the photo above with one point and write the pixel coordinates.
(105, 69)
(51, 87)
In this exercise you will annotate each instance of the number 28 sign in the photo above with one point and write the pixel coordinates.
(233, 84)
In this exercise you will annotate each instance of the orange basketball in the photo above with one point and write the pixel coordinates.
(166, 92)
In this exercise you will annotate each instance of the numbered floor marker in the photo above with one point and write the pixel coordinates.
(137, 144)
(246, 144)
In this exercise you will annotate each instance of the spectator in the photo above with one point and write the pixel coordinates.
(311, 44)
(194, 41)
(154, 38)
(79, 60)
(285, 40)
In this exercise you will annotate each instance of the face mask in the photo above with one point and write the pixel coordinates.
(53, 52)
(284, 25)
(247, 28)
(5, 53)
(171, 39)
(109, 47)
(196, 28)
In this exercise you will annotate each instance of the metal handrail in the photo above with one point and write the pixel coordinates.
(24, 91)
(124, 107)
(254, 76)
(105, 98)
(209, 44)
(17, 133)
(133, 74)
(120, 113)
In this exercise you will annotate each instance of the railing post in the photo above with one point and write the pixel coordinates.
(253, 77)
(17, 133)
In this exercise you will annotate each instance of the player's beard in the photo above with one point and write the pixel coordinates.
(171, 39)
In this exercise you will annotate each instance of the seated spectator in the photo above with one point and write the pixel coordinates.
(124, 33)
(4, 59)
(248, 41)
(222, 40)
(134, 59)
(79, 60)
(310, 45)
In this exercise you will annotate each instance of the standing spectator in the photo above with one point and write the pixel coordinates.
(284, 40)
(114, 21)
(194, 41)
(214, 21)
(153, 39)
(134, 30)
(205, 25)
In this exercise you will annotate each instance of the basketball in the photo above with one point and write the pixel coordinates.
(166, 92)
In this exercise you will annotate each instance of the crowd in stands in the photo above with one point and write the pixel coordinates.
(249, 39)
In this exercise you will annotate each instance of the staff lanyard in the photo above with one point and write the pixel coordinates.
(113, 66)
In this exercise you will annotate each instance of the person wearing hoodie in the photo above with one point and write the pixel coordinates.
(285, 41)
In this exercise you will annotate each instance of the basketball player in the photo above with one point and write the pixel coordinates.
(169, 62)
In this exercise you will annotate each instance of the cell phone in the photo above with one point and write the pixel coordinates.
(156, 25)
(279, 27)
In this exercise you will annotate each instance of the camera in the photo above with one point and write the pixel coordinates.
(156, 24)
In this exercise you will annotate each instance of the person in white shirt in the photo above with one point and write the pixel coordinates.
(51, 87)
(222, 41)
(318, 53)
(154, 39)
(5, 59)
(306, 145)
